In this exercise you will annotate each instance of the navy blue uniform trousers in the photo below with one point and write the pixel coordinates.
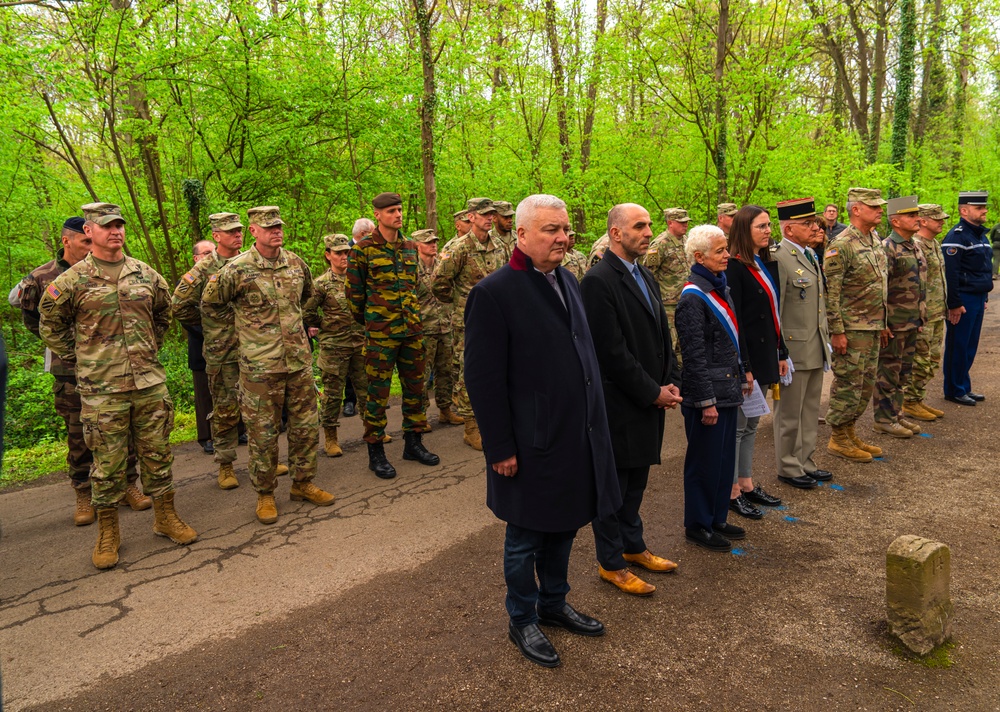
(960, 344)
(708, 467)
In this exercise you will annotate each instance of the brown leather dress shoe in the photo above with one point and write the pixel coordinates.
(626, 581)
(651, 562)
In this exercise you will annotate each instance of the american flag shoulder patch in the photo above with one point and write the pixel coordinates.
(214, 278)
(52, 291)
(188, 277)
(831, 253)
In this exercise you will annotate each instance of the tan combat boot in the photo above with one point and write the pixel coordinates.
(447, 417)
(472, 437)
(84, 513)
(386, 438)
(136, 499)
(330, 445)
(167, 523)
(105, 554)
(280, 470)
(227, 477)
(915, 410)
(873, 450)
(894, 429)
(909, 425)
(841, 445)
(933, 411)
(310, 492)
(267, 510)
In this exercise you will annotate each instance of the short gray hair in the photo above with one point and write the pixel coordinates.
(527, 207)
(362, 225)
(699, 239)
(850, 204)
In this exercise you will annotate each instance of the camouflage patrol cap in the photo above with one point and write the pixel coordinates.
(932, 211)
(265, 216)
(224, 221)
(503, 208)
(481, 206)
(424, 236)
(728, 209)
(462, 214)
(336, 242)
(102, 213)
(902, 206)
(677, 214)
(871, 197)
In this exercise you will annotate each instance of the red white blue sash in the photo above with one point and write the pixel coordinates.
(767, 282)
(720, 308)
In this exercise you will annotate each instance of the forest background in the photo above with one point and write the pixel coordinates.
(176, 109)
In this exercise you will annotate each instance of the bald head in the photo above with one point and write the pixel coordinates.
(203, 249)
(629, 231)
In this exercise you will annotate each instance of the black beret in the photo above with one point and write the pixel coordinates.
(74, 224)
(386, 200)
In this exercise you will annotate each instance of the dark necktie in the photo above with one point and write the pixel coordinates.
(550, 277)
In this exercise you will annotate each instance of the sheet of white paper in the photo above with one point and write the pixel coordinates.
(48, 361)
(755, 404)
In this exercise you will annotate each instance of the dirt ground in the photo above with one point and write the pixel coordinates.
(394, 596)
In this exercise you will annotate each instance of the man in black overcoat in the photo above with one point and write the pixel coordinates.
(640, 378)
(534, 383)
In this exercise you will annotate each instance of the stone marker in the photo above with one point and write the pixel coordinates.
(918, 601)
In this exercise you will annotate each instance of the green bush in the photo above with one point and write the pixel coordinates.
(31, 417)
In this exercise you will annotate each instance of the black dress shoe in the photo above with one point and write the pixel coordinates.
(741, 505)
(349, 410)
(978, 397)
(414, 449)
(803, 482)
(821, 475)
(533, 644)
(243, 439)
(730, 531)
(961, 400)
(208, 447)
(378, 463)
(758, 496)
(708, 539)
(572, 620)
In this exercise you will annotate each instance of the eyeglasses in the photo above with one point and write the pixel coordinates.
(766, 227)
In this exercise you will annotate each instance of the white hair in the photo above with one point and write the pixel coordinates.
(699, 239)
(527, 207)
(362, 225)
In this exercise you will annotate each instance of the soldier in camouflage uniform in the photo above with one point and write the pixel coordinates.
(927, 358)
(262, 290)
(855, 270)
(597, 250)
(906, 313)
(463, 225)
(575, 261)
(341, 340)
(382, 290)
(726, 212)
(668, 264)
(502, 232)
(459, 270)
(108, 314)
(76, 246)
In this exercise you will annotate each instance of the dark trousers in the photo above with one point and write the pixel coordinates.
(708, 467)
(621, 533)
(960, 344)
(202, 405)
(525, 553)
(349, 394)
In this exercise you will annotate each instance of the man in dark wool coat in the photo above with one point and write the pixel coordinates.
(535, 387)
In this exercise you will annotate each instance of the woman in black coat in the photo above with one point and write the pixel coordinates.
(712, 385)
(753, 283)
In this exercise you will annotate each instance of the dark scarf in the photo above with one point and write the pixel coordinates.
(718, 281)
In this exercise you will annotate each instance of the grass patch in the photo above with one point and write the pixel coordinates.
(937, 659)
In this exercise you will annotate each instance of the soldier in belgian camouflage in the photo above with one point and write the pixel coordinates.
(221, 352)
(575, 261)
(906, 313)
(382, 290)
(855, 270)
(341, 340)
(108, 314)
(927, 358)
(597, 250)
(502, 232)
(76, 246)
(459, 270)
(262, 290)
(667, 262)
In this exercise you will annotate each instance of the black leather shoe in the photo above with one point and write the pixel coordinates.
(378, 463)
(758, 496)
(708, 539)
(961, 400)
(803, 482)
(730, 531)
(820, 475)
(243, 439)
(572, 620)
(978, 397)
(208, 447)
(741, 505)
(413, 449)
(533, 644)
(349, 410)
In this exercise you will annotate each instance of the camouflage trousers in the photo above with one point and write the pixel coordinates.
(670, 309)
(460, 395)
(406, 355)
(926, 360)
(337, 364)
(224, 383)
(895, 366)
(439, 360)
(854, 378)
(109, 421)
(262, 398)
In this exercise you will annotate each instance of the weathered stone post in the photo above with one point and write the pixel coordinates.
(918, 600)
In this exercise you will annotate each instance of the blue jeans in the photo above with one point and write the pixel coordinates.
(525, 552)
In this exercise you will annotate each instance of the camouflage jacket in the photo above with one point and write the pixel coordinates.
(111, 330)
(461, 268)
(906, 283)
(669, 265)
(224, 346)
(507, 242)
(337, 328)
(576, 262)
(382, 286)
(855, 270)
(435, 314)
(32, 287)
(597, 250)
(937, 304)
(264, 299)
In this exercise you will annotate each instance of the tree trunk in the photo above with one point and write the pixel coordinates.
(904, 84)
(721, 48)
(588, 120)
(428, 105)
(878, 82)
(559, 78)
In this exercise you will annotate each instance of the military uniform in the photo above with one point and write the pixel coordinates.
(506, 240)
(576, 262)
(669, 265)
(436, 317)
(930, 339)
(597, 250)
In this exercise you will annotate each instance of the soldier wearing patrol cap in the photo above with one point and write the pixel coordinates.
(462, 223)
(341, 339)
(262, 290)
(597, 250)
(667, 262)
(906, 312)
(575, 261)
(463, 226)
(726, 212)
(967, 269)
(382, 291)
(503, 226)
(855, 270)
(108, 314)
